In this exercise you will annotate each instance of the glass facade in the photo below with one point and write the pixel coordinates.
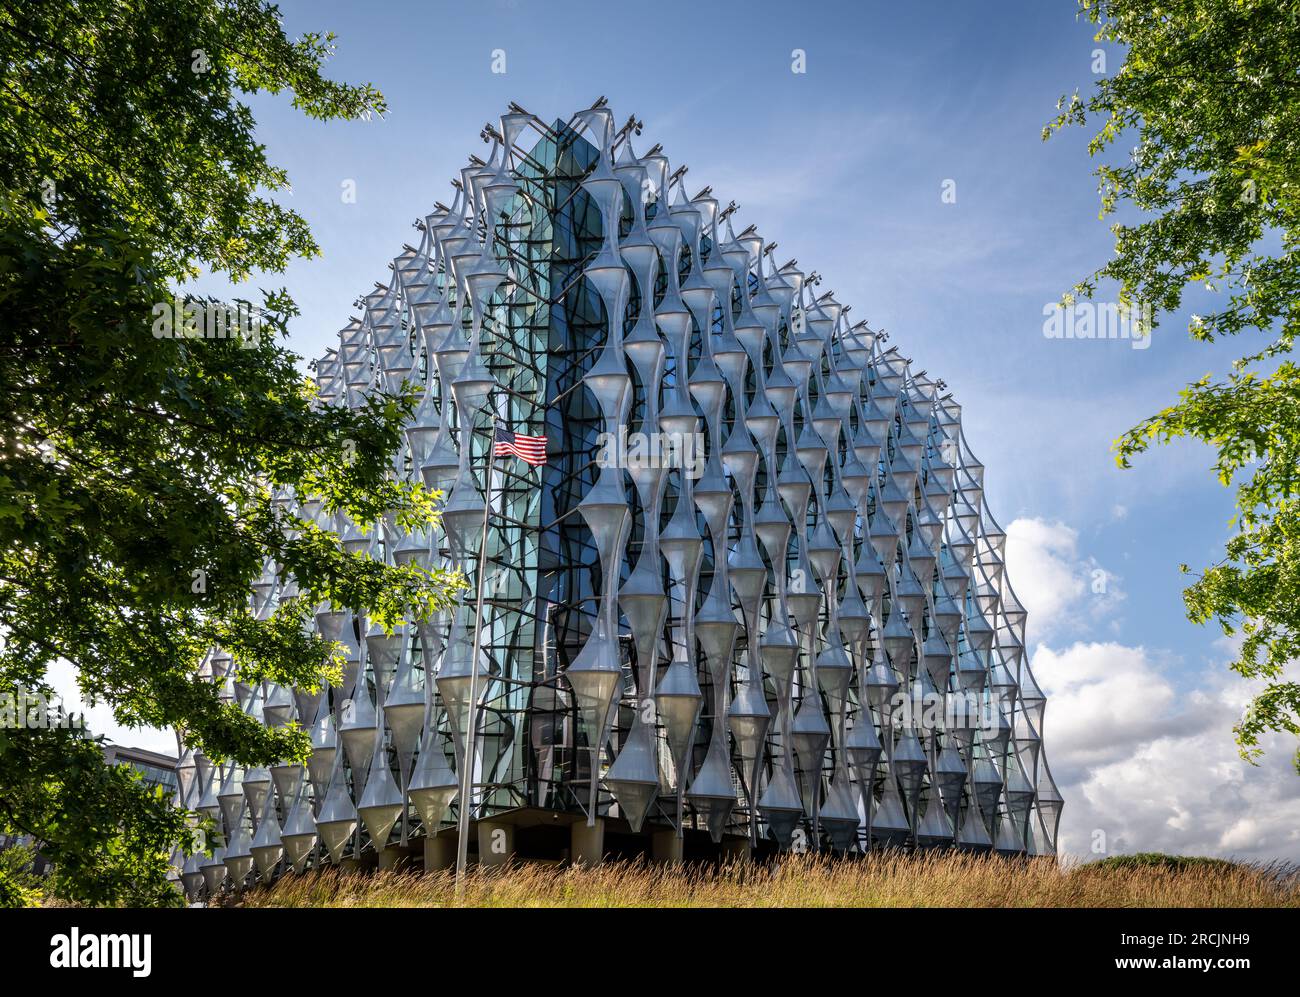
(723, 647)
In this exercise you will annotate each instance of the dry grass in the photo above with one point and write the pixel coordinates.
(883, 880)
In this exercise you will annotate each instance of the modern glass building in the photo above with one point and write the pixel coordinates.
(754, 598)
(155, 768)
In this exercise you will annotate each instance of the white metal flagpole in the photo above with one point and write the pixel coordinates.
(467, 762)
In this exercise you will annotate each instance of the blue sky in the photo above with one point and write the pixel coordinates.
(844, 166)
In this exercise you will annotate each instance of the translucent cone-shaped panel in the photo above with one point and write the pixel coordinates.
(839, 814)
(890, 825)
(935, 827)
(987, 784)
(433, 783)
(633, 779)
(379, 820)
(381, 803)
(230, 797)
(811, 735)
(748, 718)
(267, 848)
(299, 834)
(357, 725)
(454, 683)
(213, 870)
(1006, 840)
(319, 765)
(711, 792)
(384, 650)
(595, 676)
(909, 765)
(972, 832)
(335, 835)
(863, 745)
(780, 804)
(678, 698)
(239, 858)
(950, 776)
(337, 819)
(404, 710)
(192, 878)
(257, 787)
(286, 777)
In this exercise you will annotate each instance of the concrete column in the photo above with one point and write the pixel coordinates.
(666, 847)
(397, 857)
(736, 849)
(496, 842)
(587, 844)
(440, 851)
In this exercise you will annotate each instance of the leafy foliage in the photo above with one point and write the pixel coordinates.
(1159, 860)
(20, 885)
(1210, 91)
(142, 479)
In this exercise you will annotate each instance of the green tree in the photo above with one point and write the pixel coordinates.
(20, 885)
(142, 479)
(1202, 128)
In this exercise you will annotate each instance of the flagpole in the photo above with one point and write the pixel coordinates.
(467, 762)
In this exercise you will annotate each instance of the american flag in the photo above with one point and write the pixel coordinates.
(531, 449)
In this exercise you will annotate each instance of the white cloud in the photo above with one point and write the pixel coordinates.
(1062, 591)
(1153, 765)
(1140, 743)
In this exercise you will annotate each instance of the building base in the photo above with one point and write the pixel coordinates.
(496, 842)
(440, 851)
(587, 844)
(397, 858)
(666, 847)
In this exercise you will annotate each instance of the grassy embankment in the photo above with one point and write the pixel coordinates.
(884, 880)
